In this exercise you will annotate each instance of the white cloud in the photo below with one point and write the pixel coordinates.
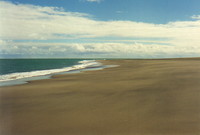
(29, 22)
(120, 50)
(35, 22)
(94, 1)
(119, 12)
(196, 17)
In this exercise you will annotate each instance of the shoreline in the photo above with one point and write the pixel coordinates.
(87, 66)
(142, 97)
(50, 76)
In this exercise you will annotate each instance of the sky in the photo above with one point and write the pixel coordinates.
(99, 28)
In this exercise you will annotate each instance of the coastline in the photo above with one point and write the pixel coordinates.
(18, 78)
(143, 97)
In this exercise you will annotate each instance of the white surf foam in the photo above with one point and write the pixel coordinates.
(82, 65)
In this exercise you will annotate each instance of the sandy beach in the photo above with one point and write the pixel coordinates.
(139, 97)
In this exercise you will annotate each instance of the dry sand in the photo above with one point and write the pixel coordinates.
(140, 97)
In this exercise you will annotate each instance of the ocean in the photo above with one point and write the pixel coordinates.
(20, 71)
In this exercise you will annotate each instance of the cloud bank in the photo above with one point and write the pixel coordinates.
(30, 22)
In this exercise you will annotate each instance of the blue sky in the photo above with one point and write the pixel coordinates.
(100, 28)
(151, 11)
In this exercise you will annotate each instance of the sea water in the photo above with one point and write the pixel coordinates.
(19, 71)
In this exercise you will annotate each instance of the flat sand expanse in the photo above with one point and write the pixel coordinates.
(140, 97)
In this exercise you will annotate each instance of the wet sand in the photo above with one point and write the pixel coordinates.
(140, 97)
